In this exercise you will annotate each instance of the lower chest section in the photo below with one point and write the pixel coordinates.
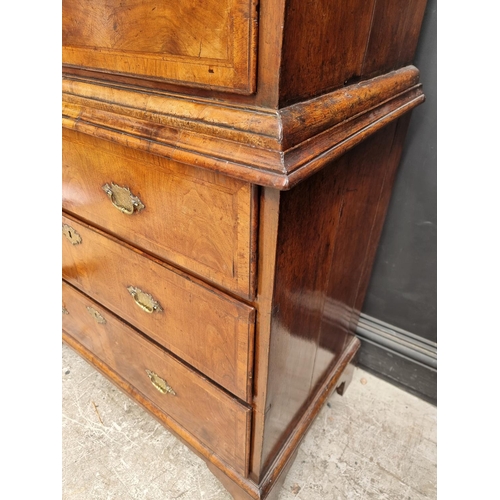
(158, 268)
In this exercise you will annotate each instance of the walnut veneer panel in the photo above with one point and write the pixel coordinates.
(216, 419)
(208, 329)
(206, 218)
(210, 43)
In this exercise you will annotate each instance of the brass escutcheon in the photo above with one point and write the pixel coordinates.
(96, 315)
(160, 384)
(123, 199)
(144, 300)
(71, 234)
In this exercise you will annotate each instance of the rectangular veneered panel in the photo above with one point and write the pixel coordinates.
(196, 219)
(210, 43)
(211, 416)
(206, 328)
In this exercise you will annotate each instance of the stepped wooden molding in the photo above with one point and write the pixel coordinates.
(275, 148)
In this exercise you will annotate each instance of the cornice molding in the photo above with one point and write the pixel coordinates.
(276, 148)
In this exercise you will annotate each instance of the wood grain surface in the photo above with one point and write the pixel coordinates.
(329, 44)
(203, 326)
(303, 49)
(394, 35)
(216, 419)
(270, 148)
(210, 43)
(321, 258)
(259, 142)
(206, 218)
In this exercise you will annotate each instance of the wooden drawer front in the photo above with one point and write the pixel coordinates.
(206, 328)
(213, 417)
(209, 44)
(198, 220)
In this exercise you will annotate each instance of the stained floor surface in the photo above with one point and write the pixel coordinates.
(375, 442)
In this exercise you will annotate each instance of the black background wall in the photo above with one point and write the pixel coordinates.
(398, 325)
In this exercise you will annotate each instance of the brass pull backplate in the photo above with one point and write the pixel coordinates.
(159, 383)
(144, 300)
(96, 315)
(123, 199)
(71, 234)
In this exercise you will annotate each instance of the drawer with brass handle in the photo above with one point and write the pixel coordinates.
(206, 328)
(213, 417)
(123, 199)
(200, 221)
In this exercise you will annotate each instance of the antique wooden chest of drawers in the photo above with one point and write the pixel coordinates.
(227, 166)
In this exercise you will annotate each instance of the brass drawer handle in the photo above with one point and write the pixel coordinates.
(123, 199)
(144, 300)
(160, 384)
(96, 315)
(71, 234)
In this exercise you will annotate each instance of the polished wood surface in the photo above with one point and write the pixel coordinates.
(269, 485)
(335, 48)
(268, 235)
(315, 273)
(253, 168)
(216, 419)
(188, 439)
(394, 35)
(270, 148)
(203, 326)
(316, 118)
(206, 218)
(307, 48)
(338, 379)
(352, 41)
(210, 43)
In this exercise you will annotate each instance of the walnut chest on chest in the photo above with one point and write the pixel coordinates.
(227, 167)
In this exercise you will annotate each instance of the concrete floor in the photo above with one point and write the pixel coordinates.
(375, 442)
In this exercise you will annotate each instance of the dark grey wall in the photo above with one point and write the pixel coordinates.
(402, 291)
